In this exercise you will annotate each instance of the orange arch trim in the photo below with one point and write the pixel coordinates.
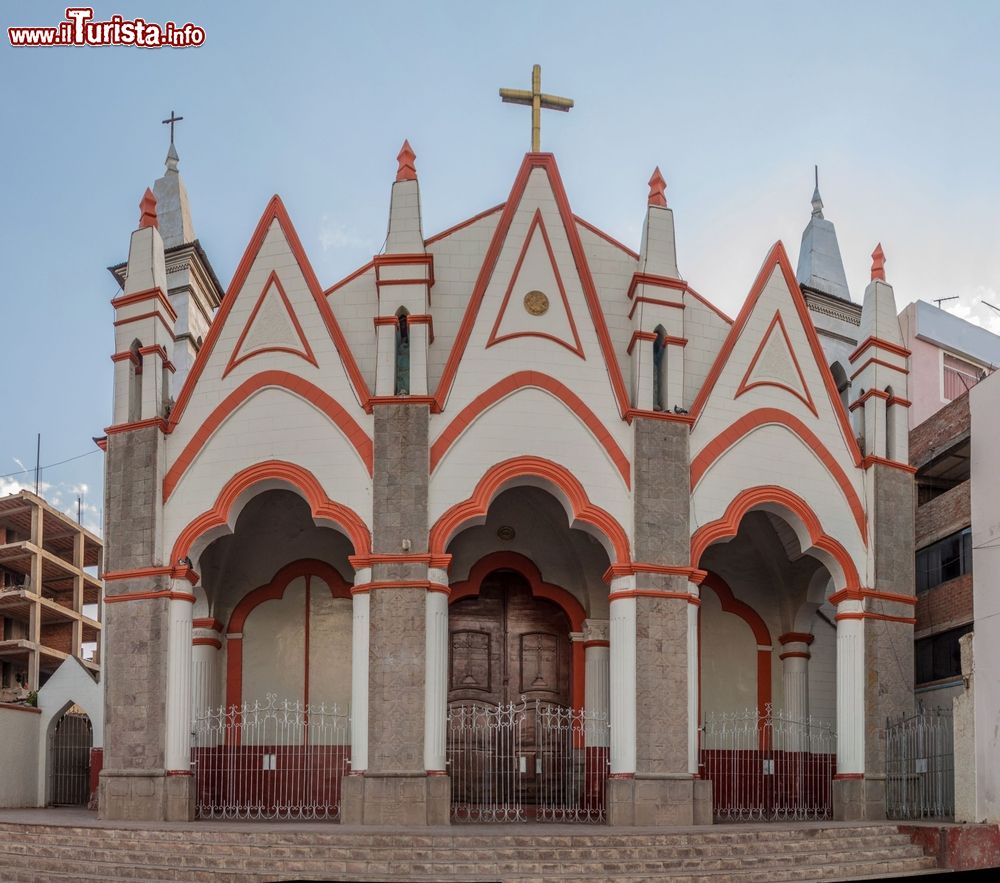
(489, 485)
(762, 417)
(728, 525)
(355, 434)
(521, 380)
(320, 505)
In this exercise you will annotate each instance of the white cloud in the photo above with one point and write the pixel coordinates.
(60, 495)
(973, 307)
(333, 234)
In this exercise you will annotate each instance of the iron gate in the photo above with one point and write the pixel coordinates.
(72, 740)
(276, 759)
(920, 766)
(768, 767)
(532, 759)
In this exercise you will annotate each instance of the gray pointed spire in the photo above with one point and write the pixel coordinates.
(172, 206)
(820, 265)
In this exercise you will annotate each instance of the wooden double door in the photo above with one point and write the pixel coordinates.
(507, 646)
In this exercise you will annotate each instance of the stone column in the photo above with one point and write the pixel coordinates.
(794, 658)
(436, 683)
(359, 676)
(596, 650)
(178, 708)
(848, 792)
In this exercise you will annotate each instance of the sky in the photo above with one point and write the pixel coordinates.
(735, 101)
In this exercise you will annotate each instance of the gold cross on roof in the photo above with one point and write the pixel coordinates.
(537, 100)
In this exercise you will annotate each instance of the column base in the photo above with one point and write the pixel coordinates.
(646, 801)
(401, 799)
(860, 799)
(147, 796)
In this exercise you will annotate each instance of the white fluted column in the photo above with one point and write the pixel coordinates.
(177, 752)
(621, 668)
(436, 675)
(206, 643)
(692, 679)
(850, 688)
(596, 693)
(794, 658)
(359, 675)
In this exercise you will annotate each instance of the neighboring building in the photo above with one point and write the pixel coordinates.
(940, 452)
(50, 593)
(513, 460)
(948, 356)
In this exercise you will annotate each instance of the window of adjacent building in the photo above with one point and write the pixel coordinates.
(944, 560)
(959, 376)
(938, 657)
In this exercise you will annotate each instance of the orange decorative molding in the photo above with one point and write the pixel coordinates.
(671, 304)
(398, 400)
(321, 506)
(872, 460)
(883, 363)
(658, 282)
(628, 568)
(147, 210)
(651, 336)
(426, 585)
(728, 525)
(304, 352)
(138, 424)
(655, 593)
(274, 213)
(206, 642)
(502, 475)
(148, 596)
(796, 638)
(633, 413)
(404, 260)
(349, 278)
(138, 297)
(764, 416)
(102, 443)
(407, 169)
(879, 342)
(545, 162)
(868, 394)
(141, 316)
(745, 387)
(207, 623)
(522, 380)
(657, 189)
(360, 561)
(176, 572)
(908, 620)
(778, 258)
(352, 430)
(857, 594)
(896, 400)
(576, 347)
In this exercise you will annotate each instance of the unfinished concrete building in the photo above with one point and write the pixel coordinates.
(50, 593)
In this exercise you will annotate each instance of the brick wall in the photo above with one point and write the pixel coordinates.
(944, 607)
(937, 432)
(58, 636)
(944, 515)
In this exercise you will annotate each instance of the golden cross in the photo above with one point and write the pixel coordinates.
(537, 100)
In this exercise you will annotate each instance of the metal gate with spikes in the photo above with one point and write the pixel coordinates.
(920, 765)
(527, 760)
(72, 740)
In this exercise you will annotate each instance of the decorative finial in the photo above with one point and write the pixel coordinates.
(147, 210)
(537, 101)
(878, 263)
(172, 159)
(407, 171)
(817, 202)
(657, 188)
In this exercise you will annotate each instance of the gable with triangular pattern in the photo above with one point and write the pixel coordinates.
(775, 364)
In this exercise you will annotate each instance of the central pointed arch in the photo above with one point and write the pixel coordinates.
(550, 476)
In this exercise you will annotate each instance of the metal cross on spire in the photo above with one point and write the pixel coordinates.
(537, 100)
(171, 120)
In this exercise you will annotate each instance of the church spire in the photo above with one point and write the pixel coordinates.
(820, 265)
(172, 205)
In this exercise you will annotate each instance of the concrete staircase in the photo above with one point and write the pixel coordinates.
(275, 851)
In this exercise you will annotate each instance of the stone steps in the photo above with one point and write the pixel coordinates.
(229, 854)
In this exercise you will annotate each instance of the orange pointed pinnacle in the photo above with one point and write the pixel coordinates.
(878, 263)
(407, 171)
(147, 210)
(657, 188)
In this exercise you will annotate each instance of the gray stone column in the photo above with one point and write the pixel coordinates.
(662, 790)
(136, 782)
(395, 788)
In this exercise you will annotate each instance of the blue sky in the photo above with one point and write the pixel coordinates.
(735, 101)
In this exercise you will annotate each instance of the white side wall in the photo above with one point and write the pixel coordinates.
(20, 738)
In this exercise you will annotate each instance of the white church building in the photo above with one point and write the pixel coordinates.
(511, 523)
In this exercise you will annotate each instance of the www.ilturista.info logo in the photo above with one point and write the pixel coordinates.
(80, 29)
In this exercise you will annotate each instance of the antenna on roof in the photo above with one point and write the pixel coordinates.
(991, 306)
(941, 300)
(38, 462)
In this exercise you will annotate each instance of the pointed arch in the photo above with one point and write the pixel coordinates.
(659, 368)
(552, 477)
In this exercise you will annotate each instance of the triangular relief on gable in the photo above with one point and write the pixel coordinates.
(535, 303)
(775, 364)
(272, 327)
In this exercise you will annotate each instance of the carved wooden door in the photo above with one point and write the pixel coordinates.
(507, 646)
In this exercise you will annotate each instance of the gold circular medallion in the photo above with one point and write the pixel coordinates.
(506, 533)
(536, 303)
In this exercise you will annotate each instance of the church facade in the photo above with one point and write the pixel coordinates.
(515, 461)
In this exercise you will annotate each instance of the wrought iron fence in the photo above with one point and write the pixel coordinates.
(526, 760)
(768, 766)
(920, 765)
(276, 759)
(72, 740)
